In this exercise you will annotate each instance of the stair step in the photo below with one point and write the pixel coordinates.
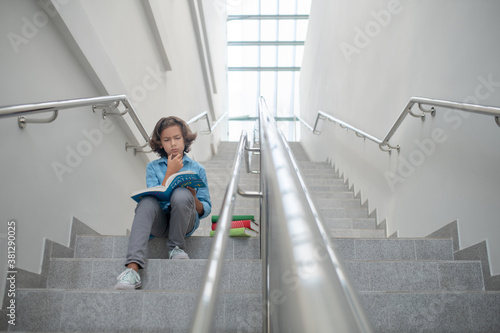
(357, 233)
(55, 310)
(218, 178)
(415, 275)
(343, 212)
(322, 181)
(459, 312)
(316, 189)
(318, 173)
(171, 275)
(320, 195)
(239, 204)
(240, 211)
(246, 275)
(350, 223)
(218, 192)
(394, 249)
(314, 165)
(325, 203)
(198, 247)
(112, 311)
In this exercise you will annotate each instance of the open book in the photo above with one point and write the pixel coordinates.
(163, 193)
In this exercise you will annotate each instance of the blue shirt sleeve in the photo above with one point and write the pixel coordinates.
(203, 194)
(152, 176)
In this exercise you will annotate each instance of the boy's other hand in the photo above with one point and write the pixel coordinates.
(192, 190)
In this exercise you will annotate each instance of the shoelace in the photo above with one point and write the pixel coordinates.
(175, 250)
(124, 275)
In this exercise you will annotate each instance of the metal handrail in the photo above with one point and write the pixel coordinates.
(106, 103)
(103, 102)
(205, 309)
(309, 127)
(217, 122)
(384, 143)
(204, 114)
(349, 292)
(317, 295)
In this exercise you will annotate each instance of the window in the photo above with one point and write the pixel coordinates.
(265, 46)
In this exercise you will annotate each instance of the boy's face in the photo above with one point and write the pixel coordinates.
(172, 140)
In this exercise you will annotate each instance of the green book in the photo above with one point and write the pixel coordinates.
(235, 218)
(238, 232)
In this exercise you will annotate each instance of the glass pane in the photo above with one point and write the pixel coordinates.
(268, 30)
(288, 129)
(235, 128)
(268, 56)
(287, 30)
(280, 89)
(243, 56)
(268, 7)
(288, 7)
(285, 89)
(239, 7)
(286, 56)
(242, 93)
(303, 7)
(268, 89)
(243, 30)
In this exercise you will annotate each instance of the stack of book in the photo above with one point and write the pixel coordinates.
(241, 226)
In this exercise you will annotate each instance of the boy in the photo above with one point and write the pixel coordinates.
(175, 219)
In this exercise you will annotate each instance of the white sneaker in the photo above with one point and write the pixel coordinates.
(128, 280)
(177, 253)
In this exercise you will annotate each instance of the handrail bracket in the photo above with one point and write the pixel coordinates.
(421, 116)
(253, 150)
(249, 194)
(432, 110)
(137, 149)
(107, 110)
(203, 115)
(391, 148)
(22, 121)
(318, 118)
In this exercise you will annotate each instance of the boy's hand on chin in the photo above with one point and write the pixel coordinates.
(175, 163)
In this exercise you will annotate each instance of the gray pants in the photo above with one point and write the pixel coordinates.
(150, 219)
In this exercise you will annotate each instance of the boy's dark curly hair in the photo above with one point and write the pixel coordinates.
(155, 141)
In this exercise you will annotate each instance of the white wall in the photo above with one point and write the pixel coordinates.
(52, 172)
(215, 16)
(109, 51)
(125, 35)
(363, 61)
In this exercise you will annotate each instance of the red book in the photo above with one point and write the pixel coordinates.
(249, 224)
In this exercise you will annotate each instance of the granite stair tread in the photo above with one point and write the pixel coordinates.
(159, 274)
(404, 284)
(245, 275)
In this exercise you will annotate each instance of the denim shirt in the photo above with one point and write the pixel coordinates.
(155, 173)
